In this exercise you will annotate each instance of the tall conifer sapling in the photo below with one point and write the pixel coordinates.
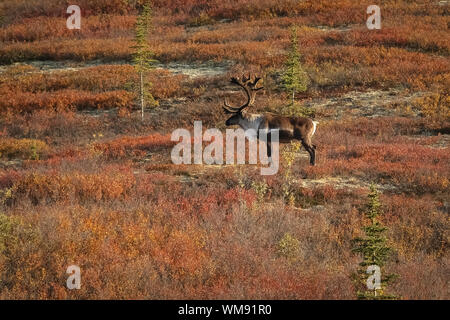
(375, 252)
(143, 56)
(294, 77)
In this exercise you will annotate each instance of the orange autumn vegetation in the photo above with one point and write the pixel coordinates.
(22, 148)
(127, 146)
(26, 90)
(378, 58)
(175, 241)
(81, 187)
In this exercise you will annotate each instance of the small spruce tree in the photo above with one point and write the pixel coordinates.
(374, 251)
(143, 56)
(294, 77)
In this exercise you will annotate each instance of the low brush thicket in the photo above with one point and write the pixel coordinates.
(179, 241)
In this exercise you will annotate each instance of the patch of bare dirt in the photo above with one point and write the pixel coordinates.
(10, 164)
(192, 70)
(343, 183)
(442, 141)
(58, 66)
(338, 29)
(371, 103)
(195, 70)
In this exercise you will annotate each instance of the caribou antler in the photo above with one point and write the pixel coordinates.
(250, 91)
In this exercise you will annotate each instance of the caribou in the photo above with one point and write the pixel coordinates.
(289, 128)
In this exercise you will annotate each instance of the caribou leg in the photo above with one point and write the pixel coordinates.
(268, 144)
(311, 150)
(269, 147)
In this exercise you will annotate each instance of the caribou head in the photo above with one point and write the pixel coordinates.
(250, 90)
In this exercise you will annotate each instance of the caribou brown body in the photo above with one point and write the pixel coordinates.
(289, 128)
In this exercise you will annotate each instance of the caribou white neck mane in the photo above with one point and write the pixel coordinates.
(251, 120)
